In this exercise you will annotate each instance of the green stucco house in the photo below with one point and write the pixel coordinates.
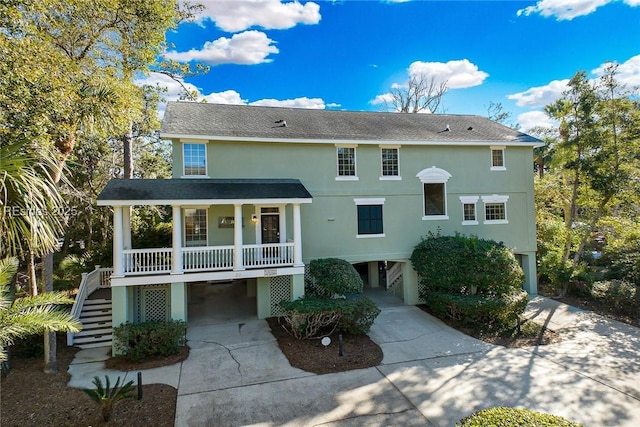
(258, 192)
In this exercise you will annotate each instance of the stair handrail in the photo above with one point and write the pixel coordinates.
(393, 274)
(89, 283)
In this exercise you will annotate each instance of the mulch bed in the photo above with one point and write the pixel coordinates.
(310, 355)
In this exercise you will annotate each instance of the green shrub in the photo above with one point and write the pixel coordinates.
(313, 317)
(509, 417)
(333, 276)
(106, 396)
(358, 315)
(617, 294)
(466, 266)
(481, 313)
(475, 281)
(141, 341)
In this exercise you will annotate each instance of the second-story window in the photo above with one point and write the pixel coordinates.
(390, 163)
(195, 159)
(346, 158)
(497, 159)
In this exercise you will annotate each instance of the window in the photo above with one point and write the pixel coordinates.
(469, 215)
(390, 163)
(495, 209)
(497, 159)
(195, 227)
(370, 222)
(434, 185)
(195, 159)
(434, 199)
(346, 163)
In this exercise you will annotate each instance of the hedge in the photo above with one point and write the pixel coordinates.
(140, 341)
(501, 416)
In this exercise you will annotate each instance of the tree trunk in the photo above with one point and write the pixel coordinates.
(31, 272)
(50, 350)
(128, 153)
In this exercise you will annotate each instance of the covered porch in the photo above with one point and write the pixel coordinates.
(221, 229)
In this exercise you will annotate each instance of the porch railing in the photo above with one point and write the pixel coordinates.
(147, 261)
(269, 255)
(98, 278)
(207, 258)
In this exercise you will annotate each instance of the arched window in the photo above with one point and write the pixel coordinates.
(434, 192)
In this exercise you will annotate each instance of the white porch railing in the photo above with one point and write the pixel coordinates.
(98, 278)
(147, 261)
(270, 255)
(207, 258)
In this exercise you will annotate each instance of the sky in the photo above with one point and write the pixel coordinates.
(348, 54)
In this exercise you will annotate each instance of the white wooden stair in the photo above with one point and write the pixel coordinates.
(97, 330)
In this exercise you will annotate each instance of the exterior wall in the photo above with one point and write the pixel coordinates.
(329, 224)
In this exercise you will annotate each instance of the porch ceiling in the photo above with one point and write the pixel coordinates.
(183, 191)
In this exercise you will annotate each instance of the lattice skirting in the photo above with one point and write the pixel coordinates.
(280, 289)
(421, 288)
(152, 303)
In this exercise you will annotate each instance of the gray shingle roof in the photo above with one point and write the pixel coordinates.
(184, 119)
(201, 189)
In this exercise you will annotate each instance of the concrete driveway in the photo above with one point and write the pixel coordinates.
(431, 375)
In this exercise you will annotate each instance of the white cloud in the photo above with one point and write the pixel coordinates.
(238, 15)
(628, 73)
(385, 98)
(568, 9)
(225, 97)
(304, 102)
(532, 119)
(458, 74)
(247, 48)
(541, 95)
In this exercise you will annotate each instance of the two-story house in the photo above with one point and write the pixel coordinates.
(258, 192)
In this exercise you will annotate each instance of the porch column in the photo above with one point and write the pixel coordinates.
(297, 236)
(410, 284)
(118, 242)
(237, 238)
(126, 226)
(373, 274)
(176, 241)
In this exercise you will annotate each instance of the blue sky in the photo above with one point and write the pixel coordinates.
(348, 54)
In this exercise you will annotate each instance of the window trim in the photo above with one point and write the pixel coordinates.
(470, 200)
(501, 148)
(369, 202)
(383, 177)
(434, 175)
(355, 163)
(495, 199)
(184, 225)
(184, 164)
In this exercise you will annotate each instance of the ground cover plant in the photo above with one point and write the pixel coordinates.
(501, 416)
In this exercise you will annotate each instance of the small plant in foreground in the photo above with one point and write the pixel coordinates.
(106, 396)
(501, 416)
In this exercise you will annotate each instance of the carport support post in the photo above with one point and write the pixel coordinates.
(263, 299)
(530, 276)
(374, 274)
(297, 286)
(179, 301)
(410, 284)
(119, 309)
(176, 241)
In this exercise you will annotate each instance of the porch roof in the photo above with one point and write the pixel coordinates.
(183, 191)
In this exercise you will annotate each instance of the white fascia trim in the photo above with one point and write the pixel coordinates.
(201, 202)
(340, 145)
(203, 276)
(195, 176)
(372, 201)
(469, 199)
(396, 146)
(495, 198)
(342, 142)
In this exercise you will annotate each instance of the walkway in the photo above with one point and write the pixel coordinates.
(431, 375)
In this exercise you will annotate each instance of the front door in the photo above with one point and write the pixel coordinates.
(270, 234)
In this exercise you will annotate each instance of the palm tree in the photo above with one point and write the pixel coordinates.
(30, 315)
